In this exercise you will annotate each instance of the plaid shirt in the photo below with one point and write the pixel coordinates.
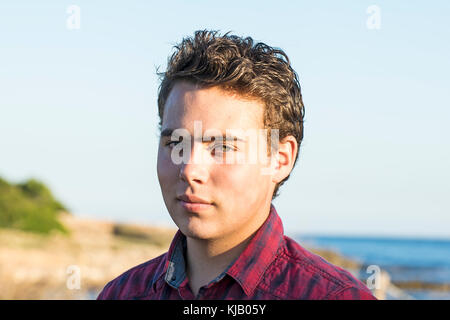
(272, 266)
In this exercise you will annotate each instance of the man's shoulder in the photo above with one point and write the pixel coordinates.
(305, 275)
(136, 281)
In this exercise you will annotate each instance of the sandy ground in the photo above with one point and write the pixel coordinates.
(70, 267)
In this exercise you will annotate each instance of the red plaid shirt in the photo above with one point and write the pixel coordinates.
(272, 266)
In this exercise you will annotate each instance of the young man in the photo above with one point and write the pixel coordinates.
(231, 120)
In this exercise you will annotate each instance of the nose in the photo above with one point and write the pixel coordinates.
(196, 169)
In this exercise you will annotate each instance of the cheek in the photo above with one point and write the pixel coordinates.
(242, 182)
(165, 168)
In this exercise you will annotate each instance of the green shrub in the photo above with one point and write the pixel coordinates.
(29, 206)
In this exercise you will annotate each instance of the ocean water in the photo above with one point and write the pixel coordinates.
(406, 260)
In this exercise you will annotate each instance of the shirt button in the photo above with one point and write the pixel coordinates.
(173, 278)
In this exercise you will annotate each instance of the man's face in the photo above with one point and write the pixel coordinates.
(237, 191)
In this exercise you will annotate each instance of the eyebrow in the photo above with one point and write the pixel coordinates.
(168, 132)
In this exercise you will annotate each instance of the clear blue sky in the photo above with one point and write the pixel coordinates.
(78, 107)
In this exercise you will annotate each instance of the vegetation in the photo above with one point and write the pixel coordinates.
(29, 206)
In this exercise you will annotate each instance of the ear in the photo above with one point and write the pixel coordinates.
(284, 158)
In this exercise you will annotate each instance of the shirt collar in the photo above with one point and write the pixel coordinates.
(176, 265)
(262, 249)
(247, 269)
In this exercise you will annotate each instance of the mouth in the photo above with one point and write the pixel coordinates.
(194, 204)
(195, 207)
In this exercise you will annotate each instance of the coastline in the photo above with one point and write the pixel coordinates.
(389, 287)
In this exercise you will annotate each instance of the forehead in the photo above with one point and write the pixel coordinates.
(214, 107)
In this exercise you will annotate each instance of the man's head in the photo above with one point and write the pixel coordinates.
(226, 83)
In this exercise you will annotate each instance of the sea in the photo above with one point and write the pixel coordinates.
(407, 260)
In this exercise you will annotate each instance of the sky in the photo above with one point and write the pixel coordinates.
(78, 106)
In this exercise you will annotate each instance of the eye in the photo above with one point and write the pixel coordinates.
(222, 148)
(226, 148)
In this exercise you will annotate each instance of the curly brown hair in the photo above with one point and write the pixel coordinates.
(237, 64)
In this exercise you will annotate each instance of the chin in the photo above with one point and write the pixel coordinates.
(195, 235)
(193, 225)
(193, 228)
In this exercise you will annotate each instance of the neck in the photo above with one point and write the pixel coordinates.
(208, 258)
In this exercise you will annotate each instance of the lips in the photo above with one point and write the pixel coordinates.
(193, 199)
(193, 203)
